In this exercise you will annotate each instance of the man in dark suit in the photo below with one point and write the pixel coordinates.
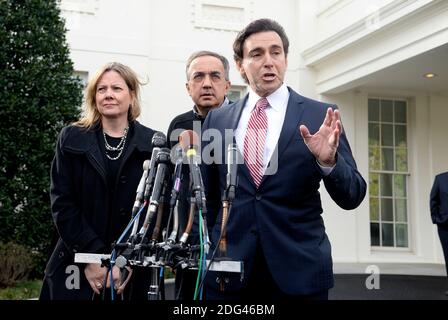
(439, 211)
(207, 84)
(289, 143)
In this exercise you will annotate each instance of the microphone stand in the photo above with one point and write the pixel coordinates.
(227, 199)
(157, 286)
(189, 226)
(156, 207)
(173, 203)
(222, 250)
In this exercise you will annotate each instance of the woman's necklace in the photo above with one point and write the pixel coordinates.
(119, 147)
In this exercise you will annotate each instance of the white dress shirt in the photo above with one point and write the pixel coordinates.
(275, 112)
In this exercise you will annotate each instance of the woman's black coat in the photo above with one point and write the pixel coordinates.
(88, 213)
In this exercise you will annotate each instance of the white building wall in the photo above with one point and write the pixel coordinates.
(438, 156)
(396, 31)
(438, 134)
(349, 231)
(333, 16)
(342, 225)
(101, 31)
(352, 39)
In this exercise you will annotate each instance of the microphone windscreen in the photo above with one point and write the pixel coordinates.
(188, 139)
(158, 140)
(146, 165)
(177, 154)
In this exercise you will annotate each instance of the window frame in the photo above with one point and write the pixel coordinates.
(393, 173)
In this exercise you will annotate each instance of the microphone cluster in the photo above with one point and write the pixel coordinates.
(158, 188)
(148, 244)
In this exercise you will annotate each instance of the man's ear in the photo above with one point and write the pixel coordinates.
(187, 86)
(228, 85)
(240, 68)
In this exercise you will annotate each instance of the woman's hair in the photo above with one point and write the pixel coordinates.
(90, 115)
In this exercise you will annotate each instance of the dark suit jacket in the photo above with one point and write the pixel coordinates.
(439, 199)
(284, 213)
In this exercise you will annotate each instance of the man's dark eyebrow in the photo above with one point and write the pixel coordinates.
(201, 73)
(256, 49)
(275, 46)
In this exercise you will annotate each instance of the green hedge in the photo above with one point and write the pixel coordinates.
(38, 96)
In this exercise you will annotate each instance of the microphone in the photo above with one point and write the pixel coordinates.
(140, 189)
(228, 196)
(189, 142)
(178, 158)
(139, 196)
(232, 167)
(158, 141)
(163, 160)
(144, 187)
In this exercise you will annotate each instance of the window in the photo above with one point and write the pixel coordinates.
(388, 173)
(229, 15)
(235, 93)
(83, 76)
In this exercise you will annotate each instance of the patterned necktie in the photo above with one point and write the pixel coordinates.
(255, 139)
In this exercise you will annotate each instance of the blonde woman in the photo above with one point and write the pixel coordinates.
(94, 175)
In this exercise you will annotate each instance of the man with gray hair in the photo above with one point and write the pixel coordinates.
(207, 84)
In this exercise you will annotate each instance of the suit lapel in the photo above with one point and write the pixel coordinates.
(291, 123)
(290, 126)
(235, 116)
